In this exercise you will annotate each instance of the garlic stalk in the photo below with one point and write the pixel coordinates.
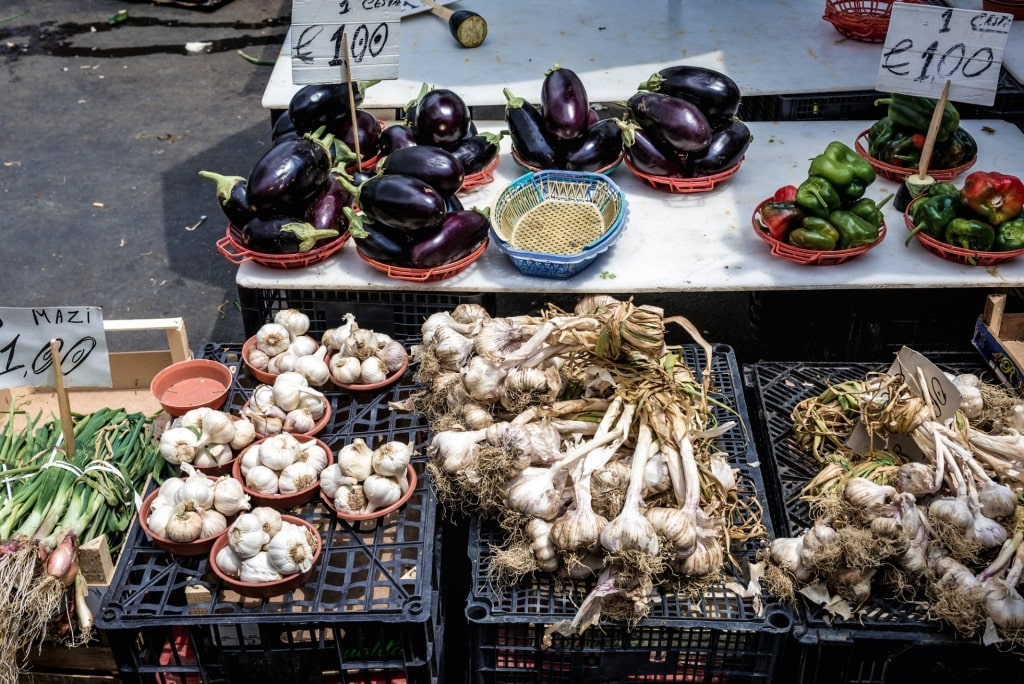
(630, 530)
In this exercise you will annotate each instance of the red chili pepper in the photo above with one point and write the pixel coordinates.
(787, 193)
(779, 218)
(996, 197)
(918, 141)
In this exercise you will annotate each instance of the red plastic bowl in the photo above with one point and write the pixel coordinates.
(967, 257)
(231, 248)
(425, 275)
(683, 186)
(198, 547)
(265, 590)
(390, 380)
(810, 257)
(191, 384)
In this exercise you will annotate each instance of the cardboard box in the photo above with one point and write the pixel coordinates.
(999, 338)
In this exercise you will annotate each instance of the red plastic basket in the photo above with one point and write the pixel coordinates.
(898, 173)
(230, 247)
(681, 186)
(425, 275)
(809, 257)
(606, 170)
(481, 177)
(959, 255)
(863, 20)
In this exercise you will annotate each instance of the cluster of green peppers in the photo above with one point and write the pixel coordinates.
(985, 215)
(898, 137)
(828, 210)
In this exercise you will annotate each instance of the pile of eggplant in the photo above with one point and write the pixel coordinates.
(409, 213)
(682, 124)
(564, 132)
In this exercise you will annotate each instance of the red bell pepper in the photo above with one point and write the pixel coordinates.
(996, 197)
(787, 193)
(779, 218)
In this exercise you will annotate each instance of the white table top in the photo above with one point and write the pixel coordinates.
(768, 47)
(702, 242)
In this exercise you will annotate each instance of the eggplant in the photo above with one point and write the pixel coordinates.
(367, 127)
(713, 92)
(382, 242)
(564, 103)
(728, 145)
(678, 122)
(404, 202)
(283, 129)
(288, 176)
(600, 146)
(321, 104)
(395, 137)
(327, 211)
(410, 108)
(431, 164)
(530, 138)
(477, 151)
(646, 155)
(453, 203)
(459, 234)
(231, 197)
(442, 118)
(282, 235)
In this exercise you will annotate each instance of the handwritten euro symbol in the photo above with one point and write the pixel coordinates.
(301, 50)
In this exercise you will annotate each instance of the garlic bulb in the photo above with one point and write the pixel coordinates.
(246, 535)
(168, 489)
(258, 359)
(313, 454)
(361, 343)
(179, 445)
(245, 434)
(197, 491)
(335, 337)
(229, 497)
(355, 459)
(314, 367)
(381, 492)
(469, 312)
(288, 390)
(350, 498)
(184, 524)
(272, 339)
(193, 418)
(303, 345)
(296, 477)
(249, 458)
(331, 478)
(345, 369)
(157, 520)
(228, 562)
(279, 451)
(289, 551)
(257, 569)
(271, 519)
(393, 355)
(391, 459)
(372, 371)
(213, 523)
(217, 428)
(296, 322)
(314, 402)
(299, 421)
(261, 480)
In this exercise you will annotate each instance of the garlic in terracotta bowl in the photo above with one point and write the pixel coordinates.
(290, 404)
(365, 483)
(283, 470)
(208, 439)
(362, 359)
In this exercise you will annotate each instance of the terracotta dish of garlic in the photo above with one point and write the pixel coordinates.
(361, 359)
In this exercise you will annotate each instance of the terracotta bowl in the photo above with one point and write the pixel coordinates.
(265, 590)
(281, 501)
(191, 384)
(378, 513)
(198, 547)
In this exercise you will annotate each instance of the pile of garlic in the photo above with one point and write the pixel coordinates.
(195, 506)
(284, 345)
(360, 356)
(206, 437)
(289, 405)
(282, 464)
(262, 547)
(364, 480)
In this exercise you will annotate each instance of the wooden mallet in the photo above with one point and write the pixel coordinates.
(468, 28)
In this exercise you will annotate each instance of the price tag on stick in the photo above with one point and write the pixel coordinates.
(28, 338)
(926, 46)
(320, 53)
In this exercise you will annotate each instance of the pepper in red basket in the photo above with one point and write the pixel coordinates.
(996, 197)
(787, 193)
(780, 218)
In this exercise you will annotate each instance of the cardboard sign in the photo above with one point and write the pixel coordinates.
(320, 29)
(929, 45)
(25, 359)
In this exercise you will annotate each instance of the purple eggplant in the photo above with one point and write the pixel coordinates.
(367, 127)
(327, 211)
(717, 95)
(678, 122)
(283, 129)
(381, 242)
(564, 103)
(442, 118)
(599, 147)
(282, 235)
(288, 176)
(530, 139)
(410, 108)
(436, 166)
(395, 137)
(728, 145)
(647, 156)
(231, 197)
(404, 202)
(319, 104)
(477, 151)
(458, 235)
(453, 203)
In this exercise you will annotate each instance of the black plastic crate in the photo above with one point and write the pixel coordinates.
(371, 612)
(399, 314)
(887, 640)
(715, 637)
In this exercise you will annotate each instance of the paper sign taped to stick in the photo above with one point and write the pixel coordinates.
(929, 45)
(25, 358)
(939, 390)
(319, 53)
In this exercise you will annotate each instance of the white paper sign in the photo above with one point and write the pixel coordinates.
(320, 27)
(25, 335)
(929, 45)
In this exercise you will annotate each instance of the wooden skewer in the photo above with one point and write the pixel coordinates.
(63, 404)
(933, 130)
(351, 99)
(468, 28)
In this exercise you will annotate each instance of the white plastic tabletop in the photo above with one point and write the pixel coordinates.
(768, 47)
(702, 242)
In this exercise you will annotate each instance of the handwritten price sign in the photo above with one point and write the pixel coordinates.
(25, 359)
(318, 51)
(928, 45)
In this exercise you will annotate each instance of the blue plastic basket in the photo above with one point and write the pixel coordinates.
(531, 190)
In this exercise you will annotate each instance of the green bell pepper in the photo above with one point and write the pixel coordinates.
(932, 214)
(814, 233)
(841, 165)
(869, 210)
(817, 197)
(947, 189)
(915, 112)
(1009, 236)
(893, 144)
(970, 234)
(854, 231)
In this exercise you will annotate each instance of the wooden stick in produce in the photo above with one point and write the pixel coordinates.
(468, 28)
(351, 98)
(933, 129)
(67, 427)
